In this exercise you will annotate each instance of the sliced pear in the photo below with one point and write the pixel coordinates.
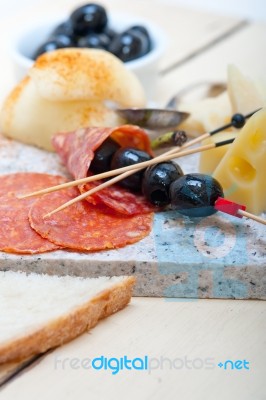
(31, 119)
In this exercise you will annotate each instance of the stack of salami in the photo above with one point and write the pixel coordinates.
(111, 218)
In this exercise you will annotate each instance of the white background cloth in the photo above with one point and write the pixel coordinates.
(253, 10)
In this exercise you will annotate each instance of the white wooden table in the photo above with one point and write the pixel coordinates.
(184, 340)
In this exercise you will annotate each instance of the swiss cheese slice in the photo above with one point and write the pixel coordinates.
(210, 159)
(242, 171)
(242, 91)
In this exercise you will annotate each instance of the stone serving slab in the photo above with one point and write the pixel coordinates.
(215, 257)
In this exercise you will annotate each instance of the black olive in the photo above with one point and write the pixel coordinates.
(144, 31)
(129, 45)
(51, 45)
(238, 120)
(194, 195)
(88, 18)
(66, 40)
(129, 156)
(102, 158)
(88, 26)
(157, 180)
(95, 41)
(111, 33)
(65, 28)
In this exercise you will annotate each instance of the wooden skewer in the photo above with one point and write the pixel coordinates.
(252, 216)
(136, 166)
(89, 193)
(130, 170)
(237, 210)
(114, 172)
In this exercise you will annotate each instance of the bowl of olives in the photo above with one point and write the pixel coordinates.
(137, 42)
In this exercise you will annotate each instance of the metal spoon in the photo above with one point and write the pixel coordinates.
(152, 118)
(163, 119)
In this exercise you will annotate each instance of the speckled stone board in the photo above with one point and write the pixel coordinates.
(215, 257)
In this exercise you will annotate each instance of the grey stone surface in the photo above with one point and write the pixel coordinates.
(215, 257)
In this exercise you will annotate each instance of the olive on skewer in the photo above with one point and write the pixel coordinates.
(198, 196)
(129, 156)
(175, 138)
(103, 156)
(157, 180)
(164, 183)
(179, 137)
(194, 195)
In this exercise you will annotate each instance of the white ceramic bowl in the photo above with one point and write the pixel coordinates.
(27, 40)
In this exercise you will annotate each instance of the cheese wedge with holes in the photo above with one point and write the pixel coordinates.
(242, 91)
(211, 158)
(242, 171)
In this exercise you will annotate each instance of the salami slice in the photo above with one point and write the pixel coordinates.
(85, 227)
(76, 150)
(16, 234)
(119, 199)
(132, 136)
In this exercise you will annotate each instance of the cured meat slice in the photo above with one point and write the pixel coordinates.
(132, 136)
(119, 199)
(76, 150)
(85, 227)
(16, 234)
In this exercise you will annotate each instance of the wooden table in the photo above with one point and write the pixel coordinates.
(184, 340)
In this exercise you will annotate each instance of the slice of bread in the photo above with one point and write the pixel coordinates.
(39, 312)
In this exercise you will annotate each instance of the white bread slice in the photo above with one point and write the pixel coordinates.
(39, 312)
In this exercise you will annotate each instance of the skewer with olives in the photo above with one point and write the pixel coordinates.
(194, 195)
(111, 156)
(163, 184)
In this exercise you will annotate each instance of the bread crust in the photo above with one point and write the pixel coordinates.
(69, 326)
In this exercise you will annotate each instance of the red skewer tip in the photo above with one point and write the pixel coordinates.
(229, 207)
